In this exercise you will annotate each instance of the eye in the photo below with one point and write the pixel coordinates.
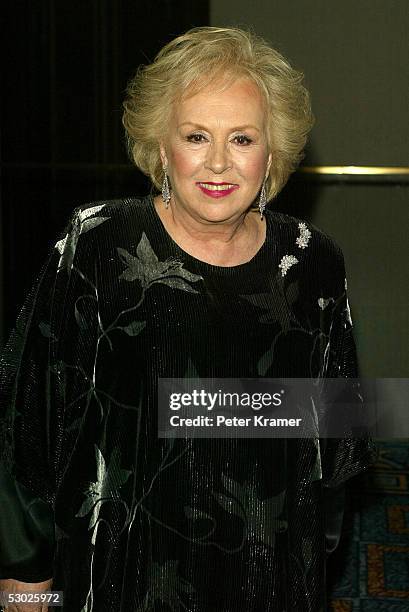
(243, 140)
(195, 138)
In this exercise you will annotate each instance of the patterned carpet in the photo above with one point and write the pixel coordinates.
(369, 572)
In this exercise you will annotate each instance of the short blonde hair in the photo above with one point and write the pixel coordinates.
(200, 56)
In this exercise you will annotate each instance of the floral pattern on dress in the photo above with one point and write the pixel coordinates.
(261, 517)
(82, 223)
(148, 270)
(165, 584)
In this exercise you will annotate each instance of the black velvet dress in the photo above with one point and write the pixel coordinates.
(149, 524)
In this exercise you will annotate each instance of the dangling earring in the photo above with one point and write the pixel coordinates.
(263, 199)
(165, 188)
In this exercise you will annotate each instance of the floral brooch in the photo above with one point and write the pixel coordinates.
(302, 242)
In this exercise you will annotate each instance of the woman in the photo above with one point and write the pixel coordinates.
(199, 281)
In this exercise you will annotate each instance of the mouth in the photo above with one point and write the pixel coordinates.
(217, 190)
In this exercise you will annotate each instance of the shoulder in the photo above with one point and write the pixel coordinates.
(302, 235)
(319, 257)
(116, 209)
(107, 217)
(93, 224)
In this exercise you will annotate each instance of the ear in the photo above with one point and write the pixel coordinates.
(163, 155)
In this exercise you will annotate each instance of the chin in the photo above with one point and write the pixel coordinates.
(218, 211)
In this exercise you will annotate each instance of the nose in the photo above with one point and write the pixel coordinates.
(218, 158)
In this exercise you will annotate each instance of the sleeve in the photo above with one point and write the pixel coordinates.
(31, 417)
(342, 458)
(345, 457)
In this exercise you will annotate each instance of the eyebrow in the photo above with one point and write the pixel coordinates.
(234, 129)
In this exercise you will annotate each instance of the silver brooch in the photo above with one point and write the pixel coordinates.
(286, 262)
(305, 235)
(323, 302)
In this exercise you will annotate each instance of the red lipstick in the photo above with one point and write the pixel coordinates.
(217, 190)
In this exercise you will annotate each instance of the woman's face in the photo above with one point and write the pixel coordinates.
(217, 139)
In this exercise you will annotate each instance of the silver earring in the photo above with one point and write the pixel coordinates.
(263, 199)
(165, 189)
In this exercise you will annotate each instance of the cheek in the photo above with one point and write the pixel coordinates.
(253, 166)
(184, 163)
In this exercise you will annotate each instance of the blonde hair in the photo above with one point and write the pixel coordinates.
(200, 56)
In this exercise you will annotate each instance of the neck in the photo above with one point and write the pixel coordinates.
(226, 242)
(206, 230)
